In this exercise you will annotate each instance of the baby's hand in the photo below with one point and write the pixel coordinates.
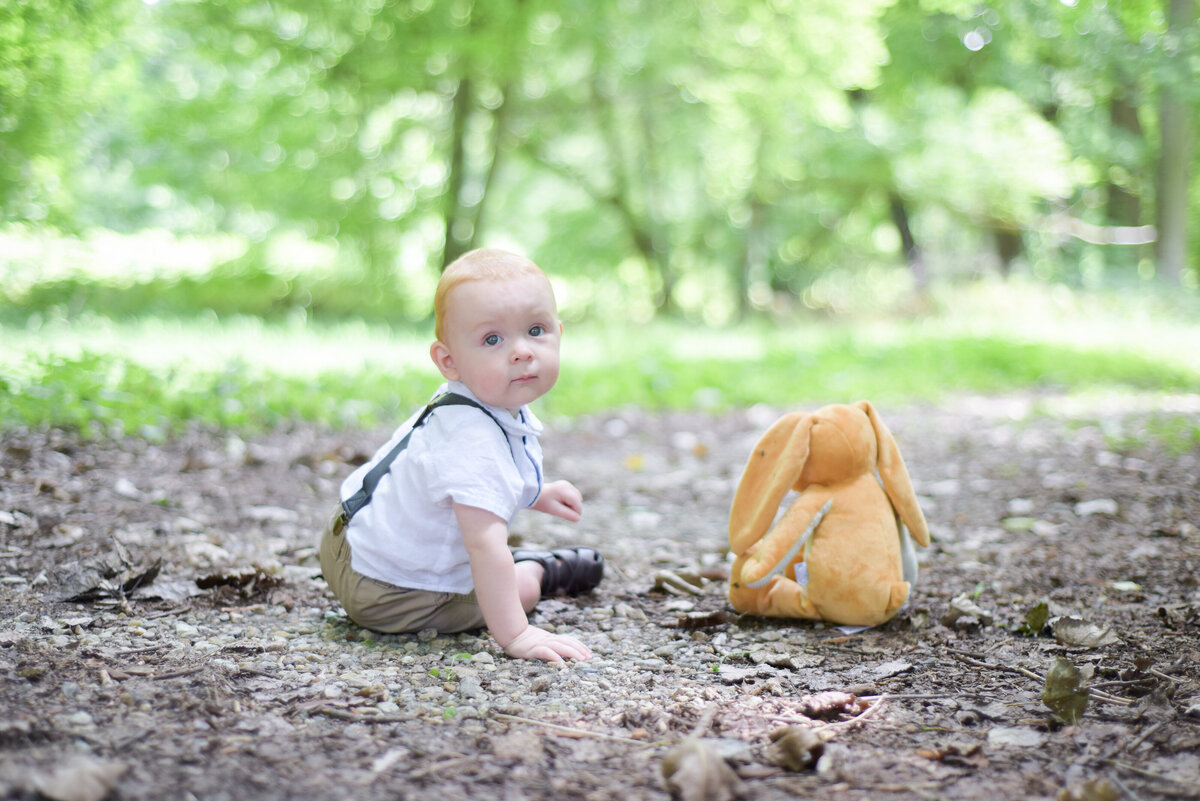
(562, 499)
(535, 643)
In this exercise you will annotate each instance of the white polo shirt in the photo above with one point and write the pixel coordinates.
(408, 535)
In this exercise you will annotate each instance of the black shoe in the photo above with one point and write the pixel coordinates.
(570, 571)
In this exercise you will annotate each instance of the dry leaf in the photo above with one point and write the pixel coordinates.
(831, 704)
(1036, 618)
(1095, 790)
(704, 620)
(1081, 634)
(694, 771)
(964, 606)
(966, 754)
(796, 748)
(1062, 694)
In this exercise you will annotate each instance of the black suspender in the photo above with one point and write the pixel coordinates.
(361, 498)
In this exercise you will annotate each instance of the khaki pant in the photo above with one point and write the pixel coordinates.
(383, 607)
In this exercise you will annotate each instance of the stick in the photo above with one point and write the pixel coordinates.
(1195, 788)
(1142, 737)
(567, 730)
(175, 674)
(852, 722)
(345, 714)
(1120, 784)
(969, 659)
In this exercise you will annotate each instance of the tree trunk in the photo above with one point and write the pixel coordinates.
(1174, 164)
(1008, 247)
(908, 243)
(1124, 207)
(457, 241)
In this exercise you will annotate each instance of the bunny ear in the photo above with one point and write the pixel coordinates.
(772, 470)
(894, 476)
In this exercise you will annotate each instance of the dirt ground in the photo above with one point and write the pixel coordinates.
(164, 632)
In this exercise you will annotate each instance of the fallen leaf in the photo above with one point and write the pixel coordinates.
(967, 754)
(82, 778)
(1126, 586)
(1062, 694)
(704, 620)
(964, 606)
(113, 584)
(255, 581)
(1092, 790)
(693, 771)
(796, 748)
(1081, 634)
(831, 704)
(1036, 619)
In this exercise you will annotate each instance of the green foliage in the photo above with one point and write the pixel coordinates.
(59, 63)
(657, 366)
(105, 395)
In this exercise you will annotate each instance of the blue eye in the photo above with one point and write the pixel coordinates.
(536, 331)
(491, 339)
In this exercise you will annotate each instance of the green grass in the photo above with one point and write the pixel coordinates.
(156, 377)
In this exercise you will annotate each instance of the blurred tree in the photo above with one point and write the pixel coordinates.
(715, 157)
(1177, 109)
(58, 64)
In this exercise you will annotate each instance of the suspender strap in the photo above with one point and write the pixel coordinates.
(361, 498)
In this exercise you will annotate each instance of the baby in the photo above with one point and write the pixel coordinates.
(420, 539)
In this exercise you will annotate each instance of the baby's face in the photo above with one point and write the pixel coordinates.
(503, 339)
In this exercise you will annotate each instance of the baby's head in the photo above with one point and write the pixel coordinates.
(497, 327)
(484, 264)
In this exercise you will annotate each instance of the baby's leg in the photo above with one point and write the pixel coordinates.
(529, 584)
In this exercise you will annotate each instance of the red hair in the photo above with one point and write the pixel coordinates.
(484, 264)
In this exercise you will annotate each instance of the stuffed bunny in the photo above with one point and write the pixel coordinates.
(838, 553)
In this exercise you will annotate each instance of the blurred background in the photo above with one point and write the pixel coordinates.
(234, 212)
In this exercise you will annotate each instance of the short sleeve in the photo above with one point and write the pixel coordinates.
(471, 463)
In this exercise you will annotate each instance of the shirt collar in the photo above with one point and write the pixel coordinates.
(524, 424)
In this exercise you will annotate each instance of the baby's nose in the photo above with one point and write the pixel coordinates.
(521, 350)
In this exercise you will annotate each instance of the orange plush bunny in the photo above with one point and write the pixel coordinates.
(840, 552)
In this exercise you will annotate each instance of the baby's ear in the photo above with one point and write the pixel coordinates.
(440, 354)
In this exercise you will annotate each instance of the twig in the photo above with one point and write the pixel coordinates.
(671, 581)
(1192, 786)
(567, 730)
(175, 674)
(706, 719)
(860, 718)
(168, 612)
(245, 671)
(1100, 695)
(345, 714)
(972, 661)
(445, 764)
(1121, 785)
(145, 650)
(1142, 737)
(1161, 675)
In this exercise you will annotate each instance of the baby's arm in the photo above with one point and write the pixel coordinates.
(486, 538)
(560, 498)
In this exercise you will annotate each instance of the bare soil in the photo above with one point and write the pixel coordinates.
(164, 632)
